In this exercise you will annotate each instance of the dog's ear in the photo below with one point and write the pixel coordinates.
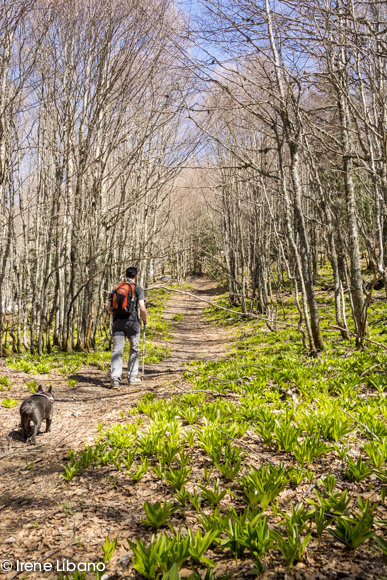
(50, 390)
(40, 390)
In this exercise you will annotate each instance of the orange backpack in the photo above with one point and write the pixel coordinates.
(123, 297)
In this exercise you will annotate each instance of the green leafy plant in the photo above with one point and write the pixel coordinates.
(128, 459)
(158, 513)
(9, 403)
(146, 559)
(72, 468)
(382, 543)
(261, 486)
(199, 545)
(108, 549)
(215, 496)
(215, 521)
(72, 382)
(321, 521)
(87, 456)
(168, 450)
(353, 531)
(300, 516)
(190, 414)
(296, 474)
(196, 499)
(286, 435)
(293, 547)
(359, 470)
(177, 478)
(32, 386)
(334, 505)
(309, 449)
(140, 471)
(189, 437)
(258, 540)
(182, 496)
(329, 482)
(377, 451)
(5, 381)
(147, 442)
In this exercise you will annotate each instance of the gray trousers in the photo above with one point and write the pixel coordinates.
(118, 349)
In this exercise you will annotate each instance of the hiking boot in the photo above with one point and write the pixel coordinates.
(134, 381)
(115, 384)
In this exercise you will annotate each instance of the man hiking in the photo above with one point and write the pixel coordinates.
(123, 303)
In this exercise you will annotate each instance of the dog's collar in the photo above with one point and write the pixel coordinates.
(49, 397)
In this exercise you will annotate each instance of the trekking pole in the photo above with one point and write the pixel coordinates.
(143, 354)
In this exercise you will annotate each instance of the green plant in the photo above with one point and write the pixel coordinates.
(329, 482)
(296, 474)
(195, 499)
(335, 428)
(236, 541)
(182, 496)
(321, 521)
(87, 456)
(359, 470)
(72, 382)
(146, 559)
(190, 415)
(233, 459)
(32, 386)
(300, 516)
(177, 478)
(207, 474)
(334, 505)
(215, 495)
(199, 545)
(229, 470)
(9, 403)
(309, 449)
(211, 440)
(128, 459)
(168, 450)
(382, 543)
(377, 451)
(286, 435)
(258, 540)
(5, 381)
(71, 470)
(261, 486)
(140, 471)
(293, 547)
(353, 531)
(147, 442)
(108, 549)
(342, 451)
(175, 551)
(215, 521)
(189, 437)
(158, 513)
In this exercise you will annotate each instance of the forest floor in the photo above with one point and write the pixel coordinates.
(44, 518)
(41, 515)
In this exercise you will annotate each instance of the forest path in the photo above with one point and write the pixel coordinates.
(34, 523)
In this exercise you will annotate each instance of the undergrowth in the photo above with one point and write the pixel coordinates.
(267, 420)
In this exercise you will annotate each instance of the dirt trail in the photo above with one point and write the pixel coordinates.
(34, 523)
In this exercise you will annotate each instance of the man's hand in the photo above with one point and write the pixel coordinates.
(109, 309)
(143, 312)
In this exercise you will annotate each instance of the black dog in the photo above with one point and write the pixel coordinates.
(37, 408)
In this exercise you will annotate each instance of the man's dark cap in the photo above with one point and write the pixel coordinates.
(131, 272)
